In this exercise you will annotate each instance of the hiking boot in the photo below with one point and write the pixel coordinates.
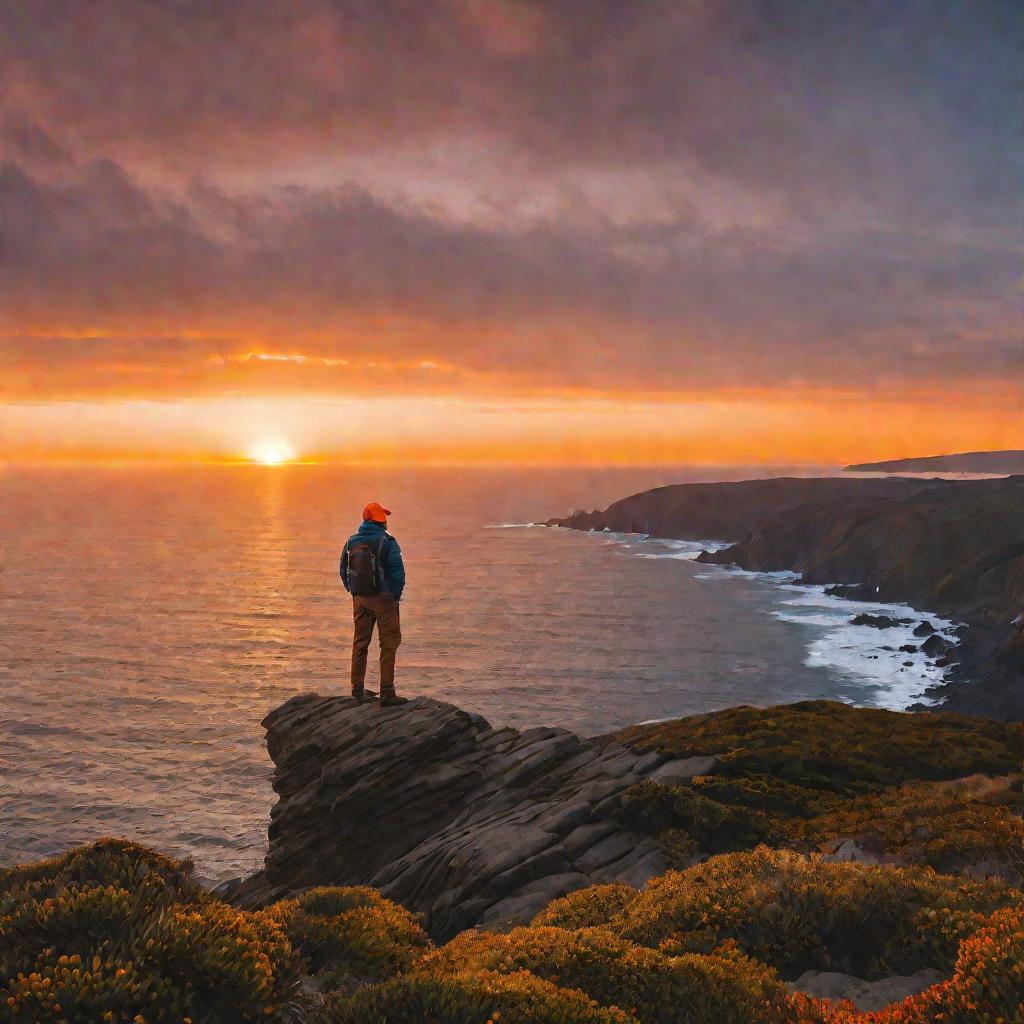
(393, 701)
(362, 696)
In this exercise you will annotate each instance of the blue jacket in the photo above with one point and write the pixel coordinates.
(391, 566)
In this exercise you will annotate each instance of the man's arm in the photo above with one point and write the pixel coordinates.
(396, 569)
(343, 565)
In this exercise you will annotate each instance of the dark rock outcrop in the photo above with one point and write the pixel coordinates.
(878, 621)
(935, 646)
(462, 822)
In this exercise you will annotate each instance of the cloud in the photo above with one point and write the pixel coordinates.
(176, 281)
(911, 107)
(600, 196)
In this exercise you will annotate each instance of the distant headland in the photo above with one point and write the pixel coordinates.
(1004, 463)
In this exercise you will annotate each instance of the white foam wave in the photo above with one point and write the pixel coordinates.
(870, 657)
(685, 550)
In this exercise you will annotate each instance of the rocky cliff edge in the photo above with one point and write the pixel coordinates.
(460, 821)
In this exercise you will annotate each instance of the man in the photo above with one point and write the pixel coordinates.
(374, 574)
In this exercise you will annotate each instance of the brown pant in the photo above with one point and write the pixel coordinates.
(381, 609)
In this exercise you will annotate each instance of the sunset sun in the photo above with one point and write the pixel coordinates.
(271, 453)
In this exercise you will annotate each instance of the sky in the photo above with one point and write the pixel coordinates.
(511, 231)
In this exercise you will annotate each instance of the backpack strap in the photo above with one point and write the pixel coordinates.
(376, 567)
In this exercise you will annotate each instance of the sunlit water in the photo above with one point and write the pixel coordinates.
(152, 617)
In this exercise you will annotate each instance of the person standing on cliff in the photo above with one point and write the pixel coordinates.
(374, 574)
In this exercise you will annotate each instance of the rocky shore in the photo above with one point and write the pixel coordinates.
(955, 548)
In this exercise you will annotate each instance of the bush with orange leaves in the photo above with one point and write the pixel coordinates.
(799, 913)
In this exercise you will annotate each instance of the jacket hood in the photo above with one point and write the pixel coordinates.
(368, 528)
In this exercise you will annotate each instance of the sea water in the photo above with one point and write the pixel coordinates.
(153, 616)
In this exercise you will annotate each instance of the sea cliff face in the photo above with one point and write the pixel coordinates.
(952, 547)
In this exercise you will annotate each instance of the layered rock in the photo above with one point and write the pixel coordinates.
(460, 821)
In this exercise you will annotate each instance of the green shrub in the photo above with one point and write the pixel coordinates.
(655, 988)
(804, 774)
(109, 862)
(108, 928)
(587, 908)
(986, 986)
(480, 998)
(832, 747)
(351, 931)
(950, 827)
(798, 913)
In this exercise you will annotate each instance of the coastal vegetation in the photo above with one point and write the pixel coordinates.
(114, 932)
(820, 838)
(940, 790)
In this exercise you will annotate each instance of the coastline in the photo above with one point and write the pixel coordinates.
(879, 658)
(947, 548)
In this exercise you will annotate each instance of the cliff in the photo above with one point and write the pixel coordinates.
(462, 822)
(955, 549)
(728, 511)
(951, 547)
(472, 825)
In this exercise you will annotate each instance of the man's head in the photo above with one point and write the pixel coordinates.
(376, 513)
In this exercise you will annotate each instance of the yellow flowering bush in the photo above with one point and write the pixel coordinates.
(985, 987)
(351, 931)
(798, 913)
(653, 987)
(480, 997)
(114, 929)
(587, 908)
(807, 773)
(948, 827)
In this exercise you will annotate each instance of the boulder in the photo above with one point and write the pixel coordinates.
(865, 995)
(935, 646)
(878, 621)
(924, 629)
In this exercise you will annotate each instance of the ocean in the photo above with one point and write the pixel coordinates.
(153, 615)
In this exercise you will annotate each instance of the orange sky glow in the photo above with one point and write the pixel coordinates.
(509, 232)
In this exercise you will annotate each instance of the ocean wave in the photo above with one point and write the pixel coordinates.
(685, 550)
(871, 657)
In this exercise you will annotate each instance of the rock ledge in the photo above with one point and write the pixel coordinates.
(460, 821)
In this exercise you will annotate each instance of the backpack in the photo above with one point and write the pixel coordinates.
(363, 569)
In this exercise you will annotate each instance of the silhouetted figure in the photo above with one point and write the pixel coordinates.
(374, 574)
